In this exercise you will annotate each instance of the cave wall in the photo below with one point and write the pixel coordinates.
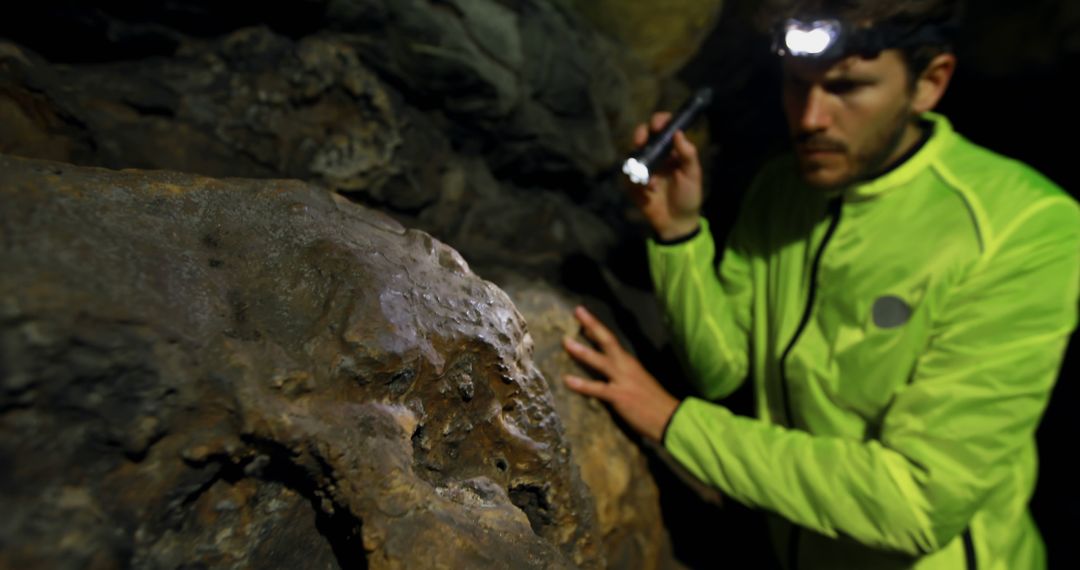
(198, 371)
(204, 372)
(228, 369)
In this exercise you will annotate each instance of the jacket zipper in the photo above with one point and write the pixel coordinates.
(834, 209)
(834, 212)
(969, 550)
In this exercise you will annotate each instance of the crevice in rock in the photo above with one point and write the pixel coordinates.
(340, 527)
(421, 448)
(272, 462)
(532, 499)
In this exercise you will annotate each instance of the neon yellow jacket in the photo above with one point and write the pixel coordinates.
(903, 336)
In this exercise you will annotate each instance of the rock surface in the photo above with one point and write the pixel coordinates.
(662, 36)
(527, 78)
(238, 373)
(257, 104)
(527, 84)
(615, 470)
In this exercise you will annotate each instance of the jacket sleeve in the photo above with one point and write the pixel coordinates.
(707, 310)
(946, 440)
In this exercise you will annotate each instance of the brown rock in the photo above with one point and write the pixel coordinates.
(259, 373)
(615, 470)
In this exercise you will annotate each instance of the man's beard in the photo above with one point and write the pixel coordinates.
(867, 164)
(878, 155)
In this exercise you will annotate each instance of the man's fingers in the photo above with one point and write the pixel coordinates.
(660, 120)
(596, 331)
(588, 356)
(641, 134)
(687, 152)
(592, 388)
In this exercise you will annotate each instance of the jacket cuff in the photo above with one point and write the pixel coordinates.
(663, 434)
(680, 239)
(693, 237)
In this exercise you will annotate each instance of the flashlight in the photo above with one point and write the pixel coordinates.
(658, 146)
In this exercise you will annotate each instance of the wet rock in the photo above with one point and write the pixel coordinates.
(232, 373)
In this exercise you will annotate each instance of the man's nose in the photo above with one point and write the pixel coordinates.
(815, 116)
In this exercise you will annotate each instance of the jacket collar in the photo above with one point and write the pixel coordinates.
(940, 138)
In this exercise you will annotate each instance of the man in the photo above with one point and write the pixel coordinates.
(901, 297)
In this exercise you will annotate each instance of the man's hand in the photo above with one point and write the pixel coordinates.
(630, 389)
(672, 199)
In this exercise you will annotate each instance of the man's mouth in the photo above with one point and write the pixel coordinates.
(817, 145)
(818, 151)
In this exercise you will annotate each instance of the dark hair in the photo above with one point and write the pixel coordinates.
(907, 13)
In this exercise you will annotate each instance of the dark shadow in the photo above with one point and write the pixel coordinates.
(76, 31)
(342, 529)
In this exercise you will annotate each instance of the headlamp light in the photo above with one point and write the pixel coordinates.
(814, 39)
(831, 38)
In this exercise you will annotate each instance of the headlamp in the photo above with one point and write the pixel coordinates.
(814, 39)
(832, 39)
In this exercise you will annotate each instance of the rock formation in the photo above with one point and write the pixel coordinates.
(239, 373)
(384, 104)
(614, 469)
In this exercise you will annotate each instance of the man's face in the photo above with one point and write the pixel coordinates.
(848, 118)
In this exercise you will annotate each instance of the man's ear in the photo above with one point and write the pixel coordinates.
(932, 83)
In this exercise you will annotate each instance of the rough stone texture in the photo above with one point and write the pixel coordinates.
(253, 104)
(615, 470)
(242, 373)
(257, 104)
(542, 90)
(528, 84)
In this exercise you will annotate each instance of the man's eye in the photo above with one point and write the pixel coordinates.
(842, 87)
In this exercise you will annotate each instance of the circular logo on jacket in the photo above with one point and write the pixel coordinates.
(891, 311)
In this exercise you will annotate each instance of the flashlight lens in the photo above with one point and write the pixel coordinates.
(638, 172)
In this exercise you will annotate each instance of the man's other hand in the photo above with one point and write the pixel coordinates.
(630, 389)
(672, 199)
